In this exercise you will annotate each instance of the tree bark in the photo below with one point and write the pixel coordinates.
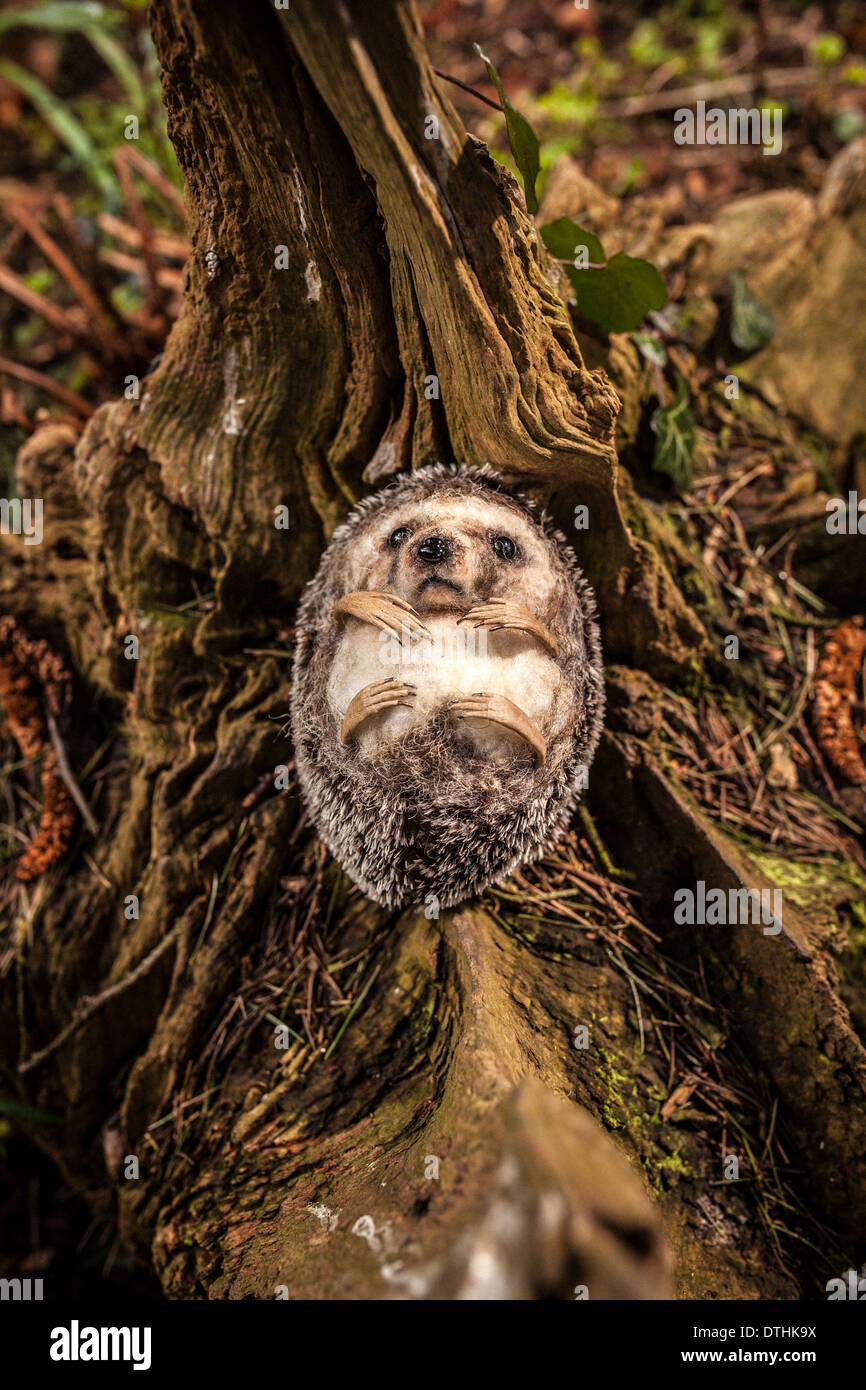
(449, 1130)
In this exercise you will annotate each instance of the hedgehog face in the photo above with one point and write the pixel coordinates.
(444, 555)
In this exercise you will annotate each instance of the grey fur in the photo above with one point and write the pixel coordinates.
(433, 817)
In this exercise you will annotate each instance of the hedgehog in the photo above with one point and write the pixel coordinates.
(447, 694)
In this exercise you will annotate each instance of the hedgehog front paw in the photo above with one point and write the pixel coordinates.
(385, 611)
(498, 614)
(499, 710)
(372, 699)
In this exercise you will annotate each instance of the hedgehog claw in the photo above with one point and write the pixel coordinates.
(385, 611)
(497, 614)
(499, 710)
(372, 699)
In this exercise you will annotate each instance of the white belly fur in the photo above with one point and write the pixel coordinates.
(454, 664)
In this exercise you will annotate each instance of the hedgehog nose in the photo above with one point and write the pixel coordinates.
(434, 549)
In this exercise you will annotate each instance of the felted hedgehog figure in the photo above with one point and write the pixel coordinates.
(448, 690)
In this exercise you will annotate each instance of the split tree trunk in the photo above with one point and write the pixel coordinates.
(406, 258)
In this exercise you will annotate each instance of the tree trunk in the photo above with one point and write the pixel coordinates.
(429, 1131)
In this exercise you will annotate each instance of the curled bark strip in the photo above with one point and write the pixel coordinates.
(834, 693)
(28, 670)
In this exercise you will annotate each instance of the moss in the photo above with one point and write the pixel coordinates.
(658, 1147)
(815, 888)
(693, 679)
(852, 968)
(164, 619)
(674, 1164)
(615, 1108)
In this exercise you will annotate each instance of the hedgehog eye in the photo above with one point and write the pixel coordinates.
(399, 536)
(504, 547)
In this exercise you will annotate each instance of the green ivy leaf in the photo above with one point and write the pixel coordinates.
(521, 136)
(674, 428)
(65, 16)
(650, 347)
(619, 297)
(32, 1113)
(563, 237)
(752, 325)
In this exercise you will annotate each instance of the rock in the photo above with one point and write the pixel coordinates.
(805, 260)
